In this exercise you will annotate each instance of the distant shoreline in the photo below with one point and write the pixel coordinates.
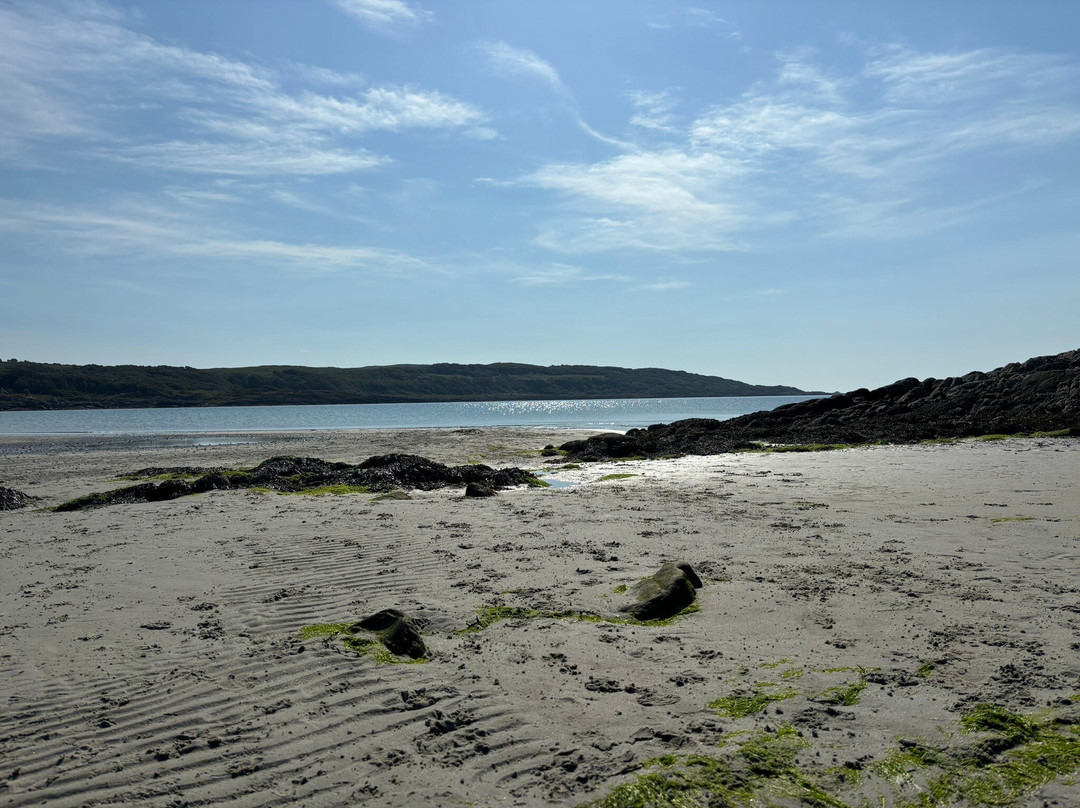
(29, 386)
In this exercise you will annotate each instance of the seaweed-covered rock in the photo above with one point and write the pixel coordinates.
(1039, 395)
(396, 631)
(10, 499)
(666, 593)
(478, 490)
(383, 473)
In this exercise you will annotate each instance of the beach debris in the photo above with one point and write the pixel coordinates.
(297, 475)
(479, 490)
(396, 631)
(10, 499)
(664, 594)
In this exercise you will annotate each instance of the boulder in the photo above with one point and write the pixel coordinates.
(666, 593)
(479, 490)
(396, 631)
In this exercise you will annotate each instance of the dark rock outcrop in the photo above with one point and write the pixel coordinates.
(396, 631)
(1039, 395)
(666, 593)
(11, 500)
(479, 490)
(297, 474)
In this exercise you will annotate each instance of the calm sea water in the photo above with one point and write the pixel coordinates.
(617, 414)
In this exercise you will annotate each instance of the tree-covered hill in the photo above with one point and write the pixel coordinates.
(34, 385)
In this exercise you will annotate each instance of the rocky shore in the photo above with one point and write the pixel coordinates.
(1039, 395)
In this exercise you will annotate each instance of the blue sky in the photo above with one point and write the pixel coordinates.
(828, 194)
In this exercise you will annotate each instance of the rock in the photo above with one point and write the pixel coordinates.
(396, 631)
(1039, 395)
(383, 473)
(479, 490)
(670, 590)
(10, 499)
(215, 481)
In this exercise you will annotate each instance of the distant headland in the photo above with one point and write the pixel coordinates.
(46, 386)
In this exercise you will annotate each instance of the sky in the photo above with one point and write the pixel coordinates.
(829, 195)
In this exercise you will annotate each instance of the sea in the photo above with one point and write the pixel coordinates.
(614, 414)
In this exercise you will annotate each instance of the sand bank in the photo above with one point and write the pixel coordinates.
(152, 654)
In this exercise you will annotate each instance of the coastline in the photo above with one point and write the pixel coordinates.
(164, 638)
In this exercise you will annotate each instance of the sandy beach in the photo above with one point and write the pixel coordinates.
(856, 604)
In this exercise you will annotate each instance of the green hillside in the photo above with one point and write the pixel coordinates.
(33, 385)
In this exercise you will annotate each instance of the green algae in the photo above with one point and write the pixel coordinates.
(762, 770)
(799, 447)
(1012, 756)
(845, 695)
(171, 475)
(366, 646)
(998, 519)
(1009, 758)
(489, 615)
(617, 476)
(743, 703)
(361, 646)
(322, 630)
(777, 664)
(620, 589)
(337, 490)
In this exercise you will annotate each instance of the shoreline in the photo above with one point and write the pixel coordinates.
(153, 652)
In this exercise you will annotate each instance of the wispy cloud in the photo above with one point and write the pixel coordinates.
(646, 200)
(662, 286)
(691, 17)
(384, 15)
(865, 154)
(137, 227)
(90, 82)
(508, 60)
(653, 110)
(561, 275)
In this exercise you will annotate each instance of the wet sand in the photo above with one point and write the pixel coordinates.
(152, 655)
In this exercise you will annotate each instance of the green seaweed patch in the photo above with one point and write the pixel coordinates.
(489, 615)
(83, 502)
(843, 695)
(792, 673)
(999, 519)
(369, 647)
(361, 646)
(763, 448)
(1013, 757)
(743, 703)
(925, 669)
(771, 665)
(322, 630)
(568, 467)
(340, 489)
(172, 475)
(763, 768)
(620, 589)
(622, 476)
(536, 482)
(1052, 433)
